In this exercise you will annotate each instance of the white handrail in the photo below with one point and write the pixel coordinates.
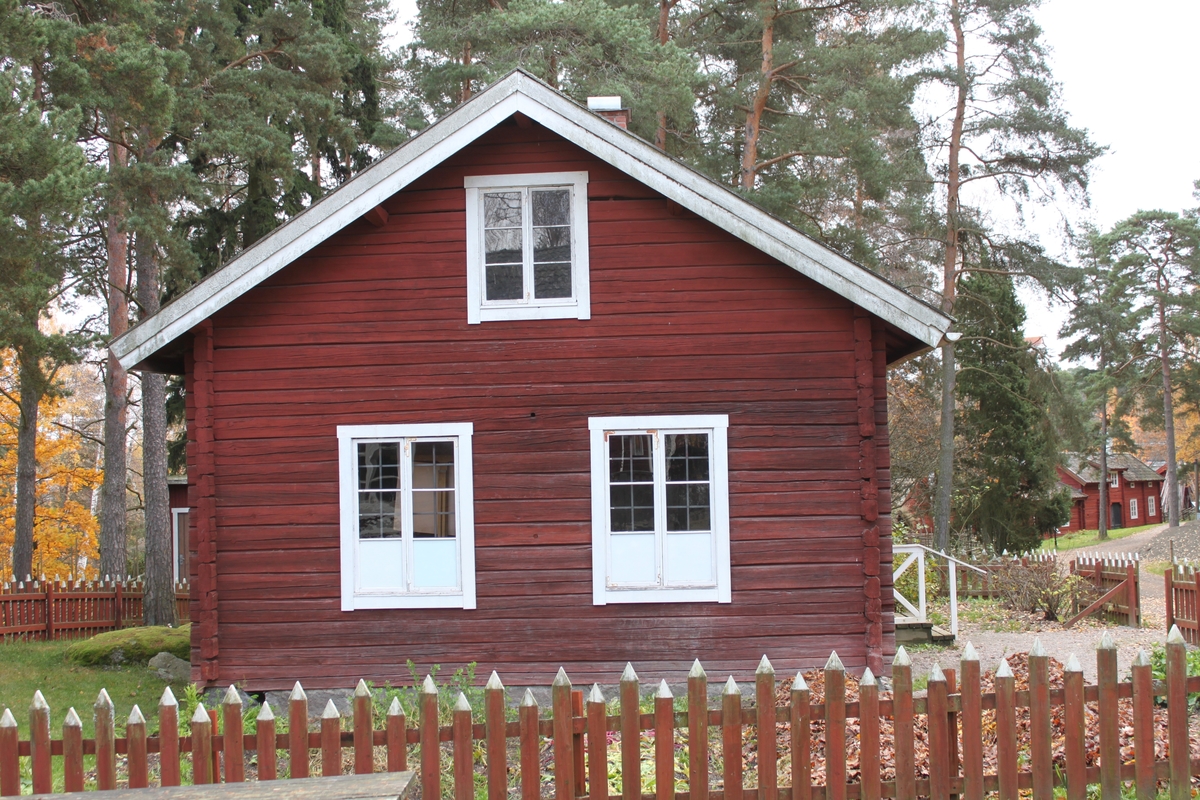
(915, 554)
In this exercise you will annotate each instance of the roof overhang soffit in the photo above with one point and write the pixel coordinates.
(521, 93)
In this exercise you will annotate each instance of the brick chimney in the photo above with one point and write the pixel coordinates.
(610, 108)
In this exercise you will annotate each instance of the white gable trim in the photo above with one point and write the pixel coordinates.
(520, 92)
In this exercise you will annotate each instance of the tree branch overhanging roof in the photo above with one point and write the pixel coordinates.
(521, 92)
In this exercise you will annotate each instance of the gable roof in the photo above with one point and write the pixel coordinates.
(520, 92)
(1087, 470)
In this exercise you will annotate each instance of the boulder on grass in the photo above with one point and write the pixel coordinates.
(131, 646)
(171, 668)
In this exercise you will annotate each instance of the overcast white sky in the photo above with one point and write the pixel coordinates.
(1130, 73)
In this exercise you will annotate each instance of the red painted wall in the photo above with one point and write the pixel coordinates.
(370, 327)
(1085, 513)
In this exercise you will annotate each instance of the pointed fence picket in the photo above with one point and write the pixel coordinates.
(566, 754)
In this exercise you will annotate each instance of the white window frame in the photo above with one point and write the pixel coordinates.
(600, 428)
(1114, 479)
(1151, 509)
(579, 305)
(1133, 508)
(464, 497)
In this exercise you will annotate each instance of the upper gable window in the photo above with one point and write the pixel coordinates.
(527, 247)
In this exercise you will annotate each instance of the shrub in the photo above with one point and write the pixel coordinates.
(1041, 587)
(132, 646)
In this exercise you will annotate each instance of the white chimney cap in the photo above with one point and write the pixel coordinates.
(609, 103)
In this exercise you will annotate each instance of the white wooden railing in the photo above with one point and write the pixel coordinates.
(916, 554)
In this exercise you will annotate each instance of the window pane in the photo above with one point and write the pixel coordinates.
(551, 244)
(378, 465)
(378, 517)
(551, 280)
(629, 459)
(687, 456)
(433, 465)
(688, 507)
(433, 524)
(631, 507)
(502, 247)
(502, 210)
(505, 282)
(552, 207)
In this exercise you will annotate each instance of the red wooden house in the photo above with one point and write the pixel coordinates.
(528, 392)
(1134, 492)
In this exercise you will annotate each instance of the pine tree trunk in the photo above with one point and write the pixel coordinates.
(1102, 520)
(26, 471)
(116, 385)
(159, 603)
(1164, 353)
(945, 476)
(749, 170)
(945, 473)
(664, 36)
(466, 84)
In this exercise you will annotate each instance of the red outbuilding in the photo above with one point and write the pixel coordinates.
(1134, 492)
(530, 393)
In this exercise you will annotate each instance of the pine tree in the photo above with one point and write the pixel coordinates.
(583, 48)
(808, 112)
(44, 181)
(112, 61)
(1008, 489)
(1157, 254)
(1005, 128)
(1100, 330)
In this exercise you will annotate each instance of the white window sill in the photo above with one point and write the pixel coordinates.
(368, 601)
(614, 596)
(525, 312)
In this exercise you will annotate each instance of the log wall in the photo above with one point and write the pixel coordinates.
(371, 328)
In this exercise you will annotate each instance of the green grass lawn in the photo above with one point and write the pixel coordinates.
(28, 666)
(1073, 541)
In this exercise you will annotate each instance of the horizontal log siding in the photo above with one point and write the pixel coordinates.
(370, 328)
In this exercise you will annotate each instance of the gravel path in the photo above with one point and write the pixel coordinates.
(1080, 640)
(1186, 538)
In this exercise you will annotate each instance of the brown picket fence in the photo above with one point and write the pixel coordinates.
(70, 609)
(573, 742)
(1116, 580)
(1183, 600)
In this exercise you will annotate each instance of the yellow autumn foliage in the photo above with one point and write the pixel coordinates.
(65, 529)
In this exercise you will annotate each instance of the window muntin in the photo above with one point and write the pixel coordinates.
(407, 524)
(527, 247)
(1150, 506)
(660, 509)
(1133, 508)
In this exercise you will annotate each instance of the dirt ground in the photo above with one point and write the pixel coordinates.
(1060, 643)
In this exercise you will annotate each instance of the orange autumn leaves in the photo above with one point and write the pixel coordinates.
(65, 529)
